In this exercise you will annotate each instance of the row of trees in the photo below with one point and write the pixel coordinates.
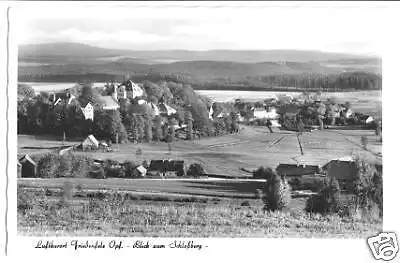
(331, 82)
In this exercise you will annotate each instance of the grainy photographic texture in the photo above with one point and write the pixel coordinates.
(169, 123)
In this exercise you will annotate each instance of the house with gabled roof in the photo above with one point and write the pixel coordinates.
(28, 166)
(90, 143)
(108, 103)
(88, 111)
(133, 90)
(164, 109)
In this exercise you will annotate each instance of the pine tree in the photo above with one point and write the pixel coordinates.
(189, 121)
(140, 128)
(148, 128)
(157, 129)
(276, 193)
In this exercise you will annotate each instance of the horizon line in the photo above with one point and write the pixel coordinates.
(369, 54)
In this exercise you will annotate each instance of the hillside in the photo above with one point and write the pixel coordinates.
(78, 51)
(70, 62)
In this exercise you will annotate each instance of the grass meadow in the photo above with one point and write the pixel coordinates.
(79, 213)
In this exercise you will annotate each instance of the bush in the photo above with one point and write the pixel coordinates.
(97, 172)
(368, 188)
(81, 166)
(48, 166)
(327, 200)
(364, 142)
(130, 170)
(24, 201)
(196, 170)
(113, 169)
(276, 192)
(53, 165)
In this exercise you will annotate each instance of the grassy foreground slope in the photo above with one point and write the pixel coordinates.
(122, 215)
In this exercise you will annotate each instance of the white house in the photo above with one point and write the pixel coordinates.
(265, 113)
(155, 109)
(108, 103)
(133, 90)
(121, 92)
(88, 111)
(369, 120)
(165, 109)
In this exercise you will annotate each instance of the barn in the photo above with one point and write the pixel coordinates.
(167, 166)
(90, 143)
(297, 170)
(28, 167)
(344, 171)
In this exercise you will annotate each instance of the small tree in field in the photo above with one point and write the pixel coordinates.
(189, 120)
(327, 200)
(148, 128)
(364, 142)
(276, 192)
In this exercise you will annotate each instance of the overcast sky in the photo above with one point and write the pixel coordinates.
(334, 29)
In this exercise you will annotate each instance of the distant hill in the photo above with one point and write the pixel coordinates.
(68, 61)
(76, 51)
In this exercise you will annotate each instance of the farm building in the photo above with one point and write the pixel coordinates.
(156, 166)
(29, 166)
(167, 166)
(141, 171)
(344, 171)
(176, 166)
(297, 170)
(90, 143)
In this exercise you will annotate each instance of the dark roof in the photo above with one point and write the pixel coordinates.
(289, 109)
(297, 170)
(166, 165)
(27, 158)
(156, 165)
(343, 170)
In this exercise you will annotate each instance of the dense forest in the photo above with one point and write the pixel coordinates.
(348, 81)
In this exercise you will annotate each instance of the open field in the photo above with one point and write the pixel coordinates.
(182, 187)
(192, 207)
(225, 155)
(40, 213)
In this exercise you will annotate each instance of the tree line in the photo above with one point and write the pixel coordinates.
(136, 122)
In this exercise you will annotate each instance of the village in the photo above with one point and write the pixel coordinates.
(302, 114)
(164, 144)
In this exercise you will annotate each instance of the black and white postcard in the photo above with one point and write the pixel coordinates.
(193, 129)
